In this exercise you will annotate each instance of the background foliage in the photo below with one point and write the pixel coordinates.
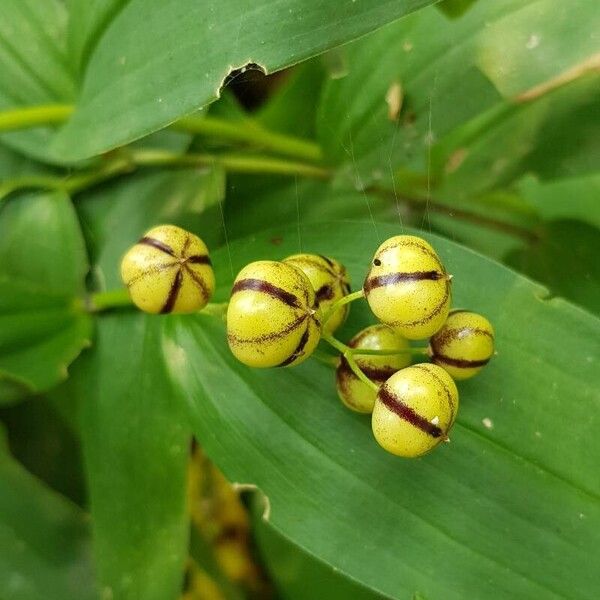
(473, 123)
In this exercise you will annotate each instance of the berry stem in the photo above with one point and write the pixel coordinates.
(348, 350)
(119, 298)
(341, 302)
(358, 371)
(101, 301)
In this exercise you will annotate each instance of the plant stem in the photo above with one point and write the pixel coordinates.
(101, 301)
(34, 116)
(238, 163)
(243, 130)
(250, 132)
(368, 352)
(358, 371)
(129, 161)
(332, 341)
(460, 213)
(341, 302)
(345, 349)
(118, 298)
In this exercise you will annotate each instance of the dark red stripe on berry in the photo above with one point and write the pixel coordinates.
(407, 413)
(299, 348)
(461, 363)
(149, 241)
(258, 285)
(173, 293)
(394, 278)
(199, 259)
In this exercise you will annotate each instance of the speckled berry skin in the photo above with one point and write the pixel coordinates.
(168, 271)
(414, 410)
(355, 394)
(330, 282)
(464, 345)
(408, 288)
(273, 319)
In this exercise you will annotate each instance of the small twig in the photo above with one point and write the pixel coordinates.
(450, 211)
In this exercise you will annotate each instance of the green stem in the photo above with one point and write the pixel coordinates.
(341, 302)
(250, 132)
(237, 163)
(118, 298)
(101, 301)
(326, 359)
(128, 161)
(345, 349)
(368, 352)
(244, 130)
(34, 116)
(358, 372)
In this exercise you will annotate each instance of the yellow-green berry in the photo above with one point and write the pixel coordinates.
(464, 345)
(414, 410)
(272, 317)
(168, 271)
(408, 288)
(356, 394)
(330, 282)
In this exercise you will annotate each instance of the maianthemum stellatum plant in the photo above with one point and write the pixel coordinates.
(279, 310)
(287, 244)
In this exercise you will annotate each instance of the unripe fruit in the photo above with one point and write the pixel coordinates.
(464, 345)
(330, 282)
(273, 317)
(355, 394)
(414, 410)
(168, 271)
(408, 288)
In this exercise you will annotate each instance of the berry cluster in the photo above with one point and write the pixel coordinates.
(280, 310)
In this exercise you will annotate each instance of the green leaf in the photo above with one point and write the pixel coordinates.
(43, 324)
(554, 135)
(292, 108)
(87, 22)
(566, 260)
(44, 540)
(35, 67)
(159, 60)
(135, 445)
(114, 217)
(455, 8)
(548, 197)
(506, 510)
(300, 576)
(426, 55)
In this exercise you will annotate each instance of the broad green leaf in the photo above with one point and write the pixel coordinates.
(114, 217)
(35, 67)
(509, 509)
(159, 60)
(44, 442)
(44, 540)
(87, 21)
(554, 136)
(135, 446)
(549, 198)
(300, 576)
(455, 8)
(43, 323)
(424, 56)
(292, 108)
(566, 260)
